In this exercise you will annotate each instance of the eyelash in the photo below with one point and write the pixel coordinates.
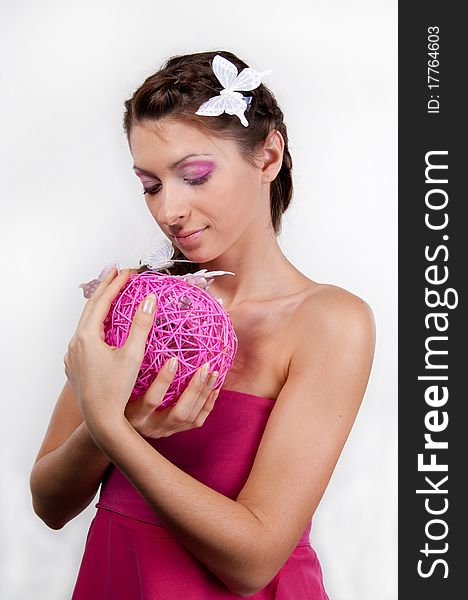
(155, 188)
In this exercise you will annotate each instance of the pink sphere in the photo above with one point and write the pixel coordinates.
(189, 324)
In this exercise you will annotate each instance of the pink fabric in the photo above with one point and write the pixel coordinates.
(130, 553)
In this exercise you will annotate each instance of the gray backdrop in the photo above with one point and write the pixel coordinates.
(70, 204)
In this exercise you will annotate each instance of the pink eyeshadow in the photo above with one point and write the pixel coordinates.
(203, 168)
(199, 168)
(144, 178)
(200, 163)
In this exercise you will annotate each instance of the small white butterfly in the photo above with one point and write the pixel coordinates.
(230, 101)
(161, 257)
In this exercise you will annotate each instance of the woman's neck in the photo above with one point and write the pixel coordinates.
(261, 272)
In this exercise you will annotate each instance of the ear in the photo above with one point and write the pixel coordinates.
(272, 158)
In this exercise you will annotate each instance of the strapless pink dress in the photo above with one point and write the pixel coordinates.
(130, 554)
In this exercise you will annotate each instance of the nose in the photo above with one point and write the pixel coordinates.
(172, 208)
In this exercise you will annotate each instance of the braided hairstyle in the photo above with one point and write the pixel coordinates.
(179, 88)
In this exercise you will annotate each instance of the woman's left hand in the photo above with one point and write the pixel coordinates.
(103, 376)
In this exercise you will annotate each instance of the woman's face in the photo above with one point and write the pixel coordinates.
(197, 183)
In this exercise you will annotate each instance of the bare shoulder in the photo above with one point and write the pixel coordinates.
(331, 310)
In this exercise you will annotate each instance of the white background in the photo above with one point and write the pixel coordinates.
(70, 204)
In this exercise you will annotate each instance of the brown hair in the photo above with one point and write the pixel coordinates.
(179, 88)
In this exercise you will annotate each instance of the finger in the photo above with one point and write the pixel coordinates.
(141, 325)
(98, 306)
(206, 408)
(203, 395)
(102, 285)
(104, 278)
(154, 395)
(192, 398)
(107, 269)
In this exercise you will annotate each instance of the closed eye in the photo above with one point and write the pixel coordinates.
(155, 188)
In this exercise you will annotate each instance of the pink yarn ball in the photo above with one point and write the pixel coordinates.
(189, 324)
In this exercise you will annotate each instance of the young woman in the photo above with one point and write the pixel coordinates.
(213, 497)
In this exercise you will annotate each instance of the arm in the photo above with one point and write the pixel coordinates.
(332, 354)
(69, 466)
(245, 542)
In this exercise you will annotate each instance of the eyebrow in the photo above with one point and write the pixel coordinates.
(171, 167)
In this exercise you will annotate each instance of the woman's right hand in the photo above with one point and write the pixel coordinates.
(190, 411)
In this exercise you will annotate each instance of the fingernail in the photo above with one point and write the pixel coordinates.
(212, 378)
(149, 304)
(107, 269)
(172, 364)
(204, 371)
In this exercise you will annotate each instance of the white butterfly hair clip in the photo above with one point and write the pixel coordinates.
(230, 101)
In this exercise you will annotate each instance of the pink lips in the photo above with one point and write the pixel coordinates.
(187, 239)
(185, 234)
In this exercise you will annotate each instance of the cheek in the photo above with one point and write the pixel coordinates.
(237, 194)
(239, 189)
(227, 194)
(223, 207)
